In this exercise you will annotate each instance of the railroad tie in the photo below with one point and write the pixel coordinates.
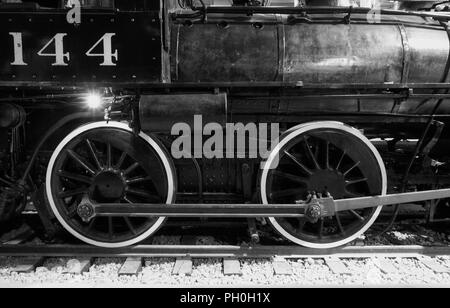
(28, 265)
(385, 265)
(434, 265)
(78, 266)
(231, 267)
(282, 267)
(183, 266)
(131, 267)
(336, 266)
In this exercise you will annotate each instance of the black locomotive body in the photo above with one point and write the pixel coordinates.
(360, 107)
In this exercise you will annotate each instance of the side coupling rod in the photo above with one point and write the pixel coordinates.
(313, 209)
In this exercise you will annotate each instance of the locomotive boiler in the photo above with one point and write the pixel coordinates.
(110, 107)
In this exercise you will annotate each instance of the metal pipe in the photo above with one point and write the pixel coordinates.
(249, 10)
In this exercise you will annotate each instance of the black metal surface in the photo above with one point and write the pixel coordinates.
(137, 40)
(159, 113)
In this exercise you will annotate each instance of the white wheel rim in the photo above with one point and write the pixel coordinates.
(124, 126)
(292, 134)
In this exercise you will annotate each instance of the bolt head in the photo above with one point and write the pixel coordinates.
(85, 211)
(314, 212)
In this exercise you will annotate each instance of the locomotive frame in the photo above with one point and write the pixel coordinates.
(155, 77)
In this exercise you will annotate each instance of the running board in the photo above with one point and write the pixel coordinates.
(313, 210)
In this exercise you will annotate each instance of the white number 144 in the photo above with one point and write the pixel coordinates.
(62, 58)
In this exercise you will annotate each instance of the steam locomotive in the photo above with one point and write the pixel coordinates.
(140, 102)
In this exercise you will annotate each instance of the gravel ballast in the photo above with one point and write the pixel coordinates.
(208, 273)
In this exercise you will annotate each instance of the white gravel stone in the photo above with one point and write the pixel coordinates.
(308, 272)
(73, 265)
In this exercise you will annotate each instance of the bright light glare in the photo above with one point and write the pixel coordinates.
(94, 101)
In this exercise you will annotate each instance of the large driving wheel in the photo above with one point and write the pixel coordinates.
(327, 158)
(108, 163)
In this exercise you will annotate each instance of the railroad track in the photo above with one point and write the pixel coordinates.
(184, 257)
(135, 258)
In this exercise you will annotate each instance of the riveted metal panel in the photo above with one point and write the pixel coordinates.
(137, 40)
(226, 50)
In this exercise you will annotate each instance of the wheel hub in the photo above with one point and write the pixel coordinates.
(328, 181)
(107, 186)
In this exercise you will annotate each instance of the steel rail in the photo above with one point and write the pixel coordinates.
(250, 252)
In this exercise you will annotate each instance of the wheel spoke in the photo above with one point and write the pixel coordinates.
(121, 160)
(341, 160)
(127, 199)
(327, 155)
(285, 193)
(142, 193)
(294, 159)
(81, 161)
(75, 177)
(301, 225)
(110, 227)
(94, 154)
(72, 211)
(311, 154)
(339, 223)
(131, 168)
(352, 168)
(291, 177)
(352, 182)
(349, 194)
(321, 227)
(357, 215)
(92, 223)
(108, 156)
(71, 193)
(137, 180)
(129, 225)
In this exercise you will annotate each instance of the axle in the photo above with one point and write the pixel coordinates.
(313, 210)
